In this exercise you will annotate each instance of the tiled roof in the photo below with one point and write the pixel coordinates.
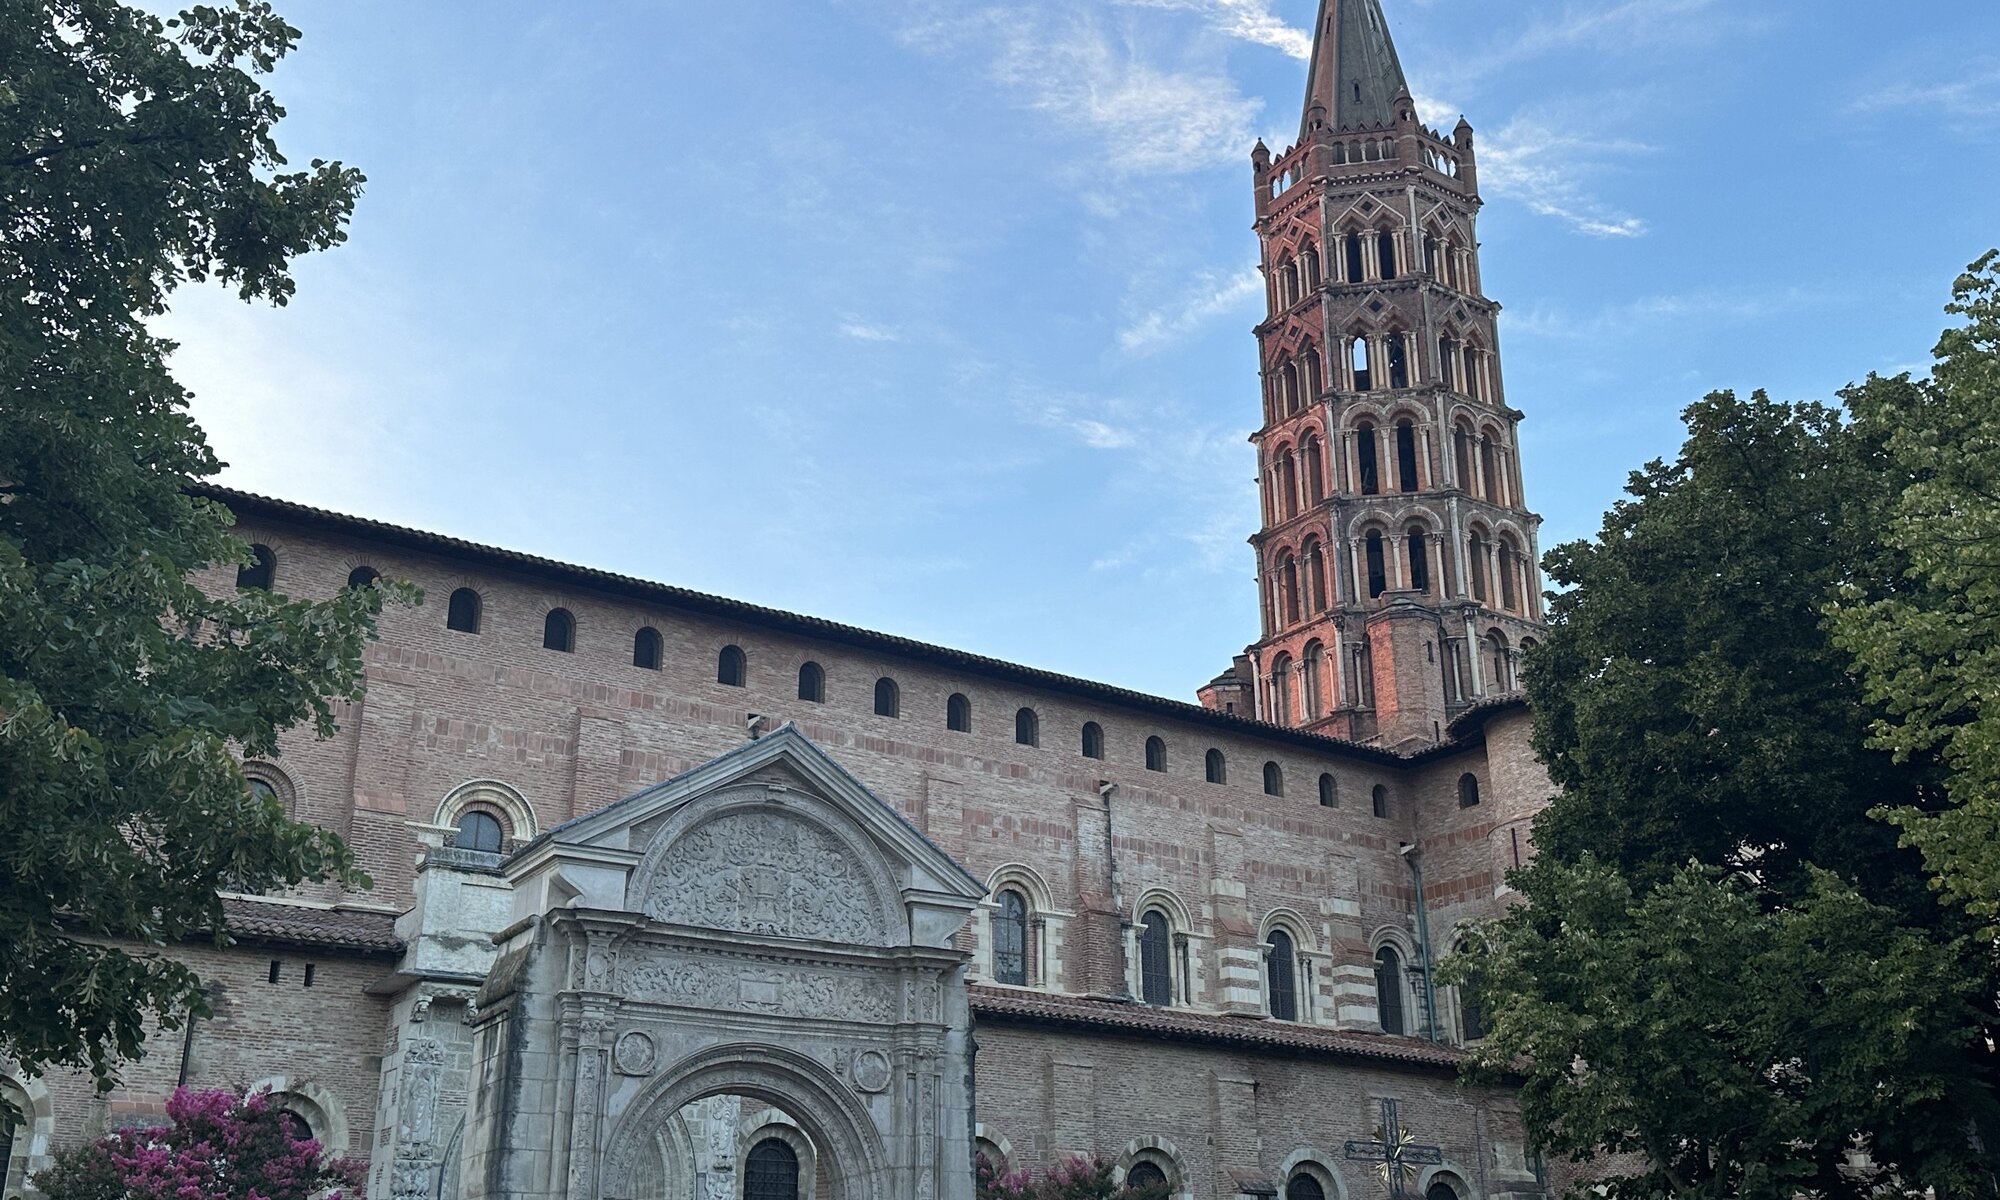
(1144, 1020)
(267, 921)
(250, 504)
(1473, 719)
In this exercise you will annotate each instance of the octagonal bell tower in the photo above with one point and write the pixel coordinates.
(1396, 558)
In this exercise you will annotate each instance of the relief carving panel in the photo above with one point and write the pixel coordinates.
(693, 981)
(766, 872)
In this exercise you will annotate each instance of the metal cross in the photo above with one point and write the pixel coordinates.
(1395, 1151)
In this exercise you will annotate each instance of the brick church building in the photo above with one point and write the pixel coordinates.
(677, 896)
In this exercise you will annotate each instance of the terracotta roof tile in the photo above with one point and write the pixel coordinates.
(263, 920)
(1146, 1020)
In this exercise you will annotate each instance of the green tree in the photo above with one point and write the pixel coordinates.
(1929, 651)
(1724, 964)
(137, 154)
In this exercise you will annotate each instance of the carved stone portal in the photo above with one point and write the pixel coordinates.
(762, 928)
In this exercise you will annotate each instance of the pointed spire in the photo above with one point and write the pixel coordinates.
(1355, 77)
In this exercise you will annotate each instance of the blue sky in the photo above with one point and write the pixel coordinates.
(933, 315)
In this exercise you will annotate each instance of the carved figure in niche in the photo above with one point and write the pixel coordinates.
(767, 873)
(423, 1079)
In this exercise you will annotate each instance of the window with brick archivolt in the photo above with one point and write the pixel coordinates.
(1010, 939)
(1156, 972)
(1281, 977)
(481, 831)
(1389, 989)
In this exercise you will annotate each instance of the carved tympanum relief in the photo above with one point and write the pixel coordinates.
(767, 873)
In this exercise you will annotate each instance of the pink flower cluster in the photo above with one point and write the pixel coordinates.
(218, 1145)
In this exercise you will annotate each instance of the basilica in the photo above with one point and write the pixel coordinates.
(680, 898)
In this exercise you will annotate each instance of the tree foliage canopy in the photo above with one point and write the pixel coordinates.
(1929, 650)
(136, 155)
(1726, 972)
(217, 1145)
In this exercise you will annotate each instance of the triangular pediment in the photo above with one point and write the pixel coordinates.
(773, 838)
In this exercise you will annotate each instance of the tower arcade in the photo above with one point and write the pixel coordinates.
(1396, 555)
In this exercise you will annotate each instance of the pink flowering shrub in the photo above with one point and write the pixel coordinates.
(1074, 1178)
(220, 1145)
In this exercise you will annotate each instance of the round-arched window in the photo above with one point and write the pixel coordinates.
(1302, 1186)
(479, 830)
(1146, 1177)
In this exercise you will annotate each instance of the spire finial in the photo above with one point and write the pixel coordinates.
(1355, 77)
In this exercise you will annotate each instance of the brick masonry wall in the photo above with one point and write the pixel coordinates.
(571, 732)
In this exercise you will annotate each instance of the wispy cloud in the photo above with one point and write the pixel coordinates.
(1972, 96)
(1141, 118)
(865, 331)
(1620, 26)
(1531, 162)
(1214, 295)
(1246, 20)
(1095, 422)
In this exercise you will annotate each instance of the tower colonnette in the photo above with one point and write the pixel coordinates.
(1396, 555)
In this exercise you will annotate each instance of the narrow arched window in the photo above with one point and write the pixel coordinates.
(1431, 255)
(1489, 467)
(812, 683)
(1445, 357)
(1420, 558)
(479, 830)
(1510, 589)
(1468, 790)
(1476, 552)
(1389, 989)
(1156, 754)
(1309, 264)
(1215, 767)
(1312, 377)
(1380, 800)
(1315, 461)
(1355, 272)
(1399, 361)
(1281, 690)
(1274, 779)
(559, 630)
(958, 714)
(1474, 386)
(1471, 1018)
(1364, 453)
(1288, 483)
(1010, 939)
(462, 613)
(888, 698)
(1302, 1186)
(1093, 740)
(261, 571)
(1281, 977)
(1156, 973)
(1027, 728)
(1288, 589)
(771, 1172)
(1497, 675)
(730, 667)
(1311, 666)
(646, 649)
(1406, 455)
(1461, 452)
(1315, 577)
(1385, 242)
(1378, 567)
(362, 577)
(1329, 791)
(1358, 363)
